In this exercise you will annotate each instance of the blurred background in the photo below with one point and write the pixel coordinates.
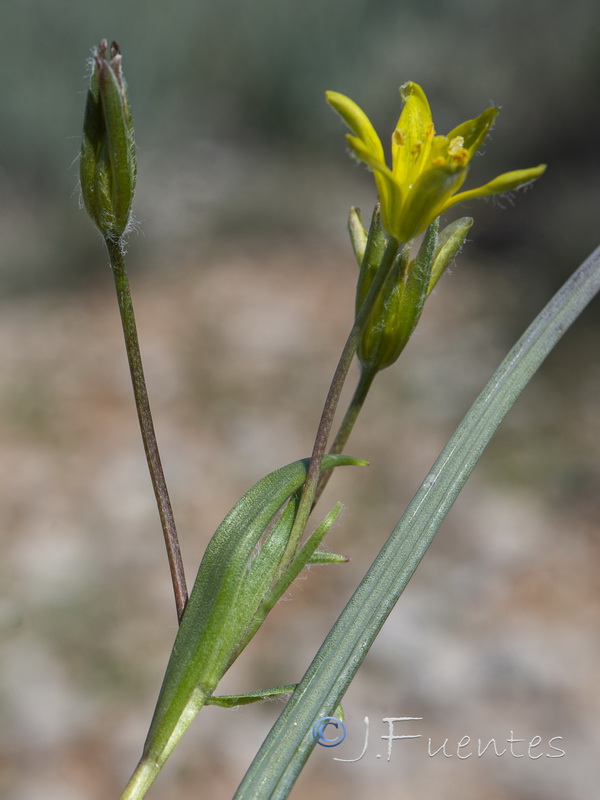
(243, 282)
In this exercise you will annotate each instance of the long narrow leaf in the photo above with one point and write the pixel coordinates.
(289, 743)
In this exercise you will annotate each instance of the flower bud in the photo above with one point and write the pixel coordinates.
(399, 306)
(358, 235)
(107, 164)
(370, 258)
(450, 240)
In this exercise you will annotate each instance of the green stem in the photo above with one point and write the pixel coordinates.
(333, 396)
(117, 262)
(141, 780)
(150, 763)
(360, 393)
(362, 389)
(288, 745)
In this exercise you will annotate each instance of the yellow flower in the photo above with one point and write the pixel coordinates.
(427, 170)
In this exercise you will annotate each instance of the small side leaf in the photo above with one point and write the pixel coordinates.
(301, 559)
(233, 700)
(325, 557)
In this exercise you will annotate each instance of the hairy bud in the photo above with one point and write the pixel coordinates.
(107, 164)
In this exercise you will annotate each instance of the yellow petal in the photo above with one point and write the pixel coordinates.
(365, 154)
(506, 182)
(358, 122)
(414, 133)
(429, 198)
(391, 199)
(474, 131)
(390, 193)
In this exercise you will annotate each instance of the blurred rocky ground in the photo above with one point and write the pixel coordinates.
(495, 634)
(243, 282)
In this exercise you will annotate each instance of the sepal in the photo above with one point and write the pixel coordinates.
(358, 234)
(450, 241)
(399, 306)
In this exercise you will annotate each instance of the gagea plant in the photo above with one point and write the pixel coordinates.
(263, 543)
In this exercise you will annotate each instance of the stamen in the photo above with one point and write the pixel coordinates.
(457, 153)
(416, 149)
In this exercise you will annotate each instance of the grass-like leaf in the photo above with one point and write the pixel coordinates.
(290, 741)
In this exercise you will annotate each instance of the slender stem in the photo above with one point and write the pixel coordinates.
(360, 393)
(356, 404)
(117, 262)
(333, 396)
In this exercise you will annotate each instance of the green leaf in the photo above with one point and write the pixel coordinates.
(233, 700)
(290, 742)
(228, 592)
(325, 557)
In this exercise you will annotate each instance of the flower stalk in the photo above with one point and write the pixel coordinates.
(142, 404)
(108, 174)
(309, 493)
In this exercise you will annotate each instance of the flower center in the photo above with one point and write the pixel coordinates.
(457, 152)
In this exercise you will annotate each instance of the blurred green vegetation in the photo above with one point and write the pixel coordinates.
(234, 136)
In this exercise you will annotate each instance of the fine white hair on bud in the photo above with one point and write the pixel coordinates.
(107, 165)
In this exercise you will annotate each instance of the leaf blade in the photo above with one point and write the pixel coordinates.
(289, 743)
